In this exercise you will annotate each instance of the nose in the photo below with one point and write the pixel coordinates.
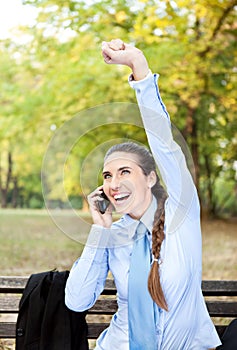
(115, 183)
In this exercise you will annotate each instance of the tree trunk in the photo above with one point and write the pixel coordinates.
(15, 192)
(211, 203)
(3, 198)
(4, 189)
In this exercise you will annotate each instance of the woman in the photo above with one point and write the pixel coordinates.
(170, 313)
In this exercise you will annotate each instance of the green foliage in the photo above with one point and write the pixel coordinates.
(59, 72)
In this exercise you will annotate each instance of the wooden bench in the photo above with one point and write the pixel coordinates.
(220, 296)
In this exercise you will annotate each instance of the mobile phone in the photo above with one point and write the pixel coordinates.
(103, 204)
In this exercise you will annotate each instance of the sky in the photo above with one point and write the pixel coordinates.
(12, 14)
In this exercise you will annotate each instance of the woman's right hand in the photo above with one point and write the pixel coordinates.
(98, 218)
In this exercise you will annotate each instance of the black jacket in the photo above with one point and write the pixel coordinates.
(44, 322)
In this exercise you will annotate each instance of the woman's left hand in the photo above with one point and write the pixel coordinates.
(117, 52)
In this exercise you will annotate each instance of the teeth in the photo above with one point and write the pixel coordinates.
(120, 196)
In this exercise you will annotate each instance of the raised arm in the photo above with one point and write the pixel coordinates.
(170, 159)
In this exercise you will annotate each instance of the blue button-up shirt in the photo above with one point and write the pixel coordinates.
(186, 325)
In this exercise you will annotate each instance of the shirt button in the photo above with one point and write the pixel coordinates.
(158, 331)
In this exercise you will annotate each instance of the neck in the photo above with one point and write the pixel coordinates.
(137, 214)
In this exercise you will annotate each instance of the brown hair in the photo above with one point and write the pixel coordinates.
(147, 164)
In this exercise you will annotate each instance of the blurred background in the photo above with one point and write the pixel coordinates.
(51, 69)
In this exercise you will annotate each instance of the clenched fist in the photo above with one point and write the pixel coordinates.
(117, 52)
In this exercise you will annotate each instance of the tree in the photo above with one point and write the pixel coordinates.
(191, 45)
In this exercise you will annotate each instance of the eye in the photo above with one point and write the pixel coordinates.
(125, 172)
(106, 176)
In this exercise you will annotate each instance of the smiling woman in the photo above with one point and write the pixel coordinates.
(154, 250)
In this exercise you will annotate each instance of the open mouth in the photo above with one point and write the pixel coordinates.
(122, 197)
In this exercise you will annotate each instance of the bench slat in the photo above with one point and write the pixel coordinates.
(94, 329)
(222, 308)
(17, 285)
(12, 284)
(219, 288)
(209, 288)
(105, 306)
(9, 304)
(8, 330)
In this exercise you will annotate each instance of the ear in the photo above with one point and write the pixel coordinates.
(151, 179)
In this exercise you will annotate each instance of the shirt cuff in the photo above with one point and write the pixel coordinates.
(131, 78)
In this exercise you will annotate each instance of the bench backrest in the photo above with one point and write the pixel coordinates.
(220, 296)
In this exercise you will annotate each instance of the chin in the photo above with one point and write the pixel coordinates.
(124, 210)
(120, 211)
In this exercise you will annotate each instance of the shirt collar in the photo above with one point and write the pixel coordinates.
(148, 217)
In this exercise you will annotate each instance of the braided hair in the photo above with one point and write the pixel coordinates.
(147, 164)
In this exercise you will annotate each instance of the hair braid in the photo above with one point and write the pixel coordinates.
(154, 285)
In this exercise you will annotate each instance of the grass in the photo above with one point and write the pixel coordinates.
(31, 242)
(219, 249)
